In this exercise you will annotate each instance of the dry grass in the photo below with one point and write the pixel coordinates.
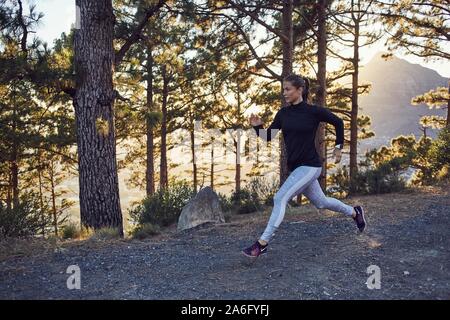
(145, 231)
(17, 248)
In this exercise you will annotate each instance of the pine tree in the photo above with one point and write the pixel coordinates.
(356, 22)
(34, 120)
(94, 107)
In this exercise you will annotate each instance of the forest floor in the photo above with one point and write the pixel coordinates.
(316, 254)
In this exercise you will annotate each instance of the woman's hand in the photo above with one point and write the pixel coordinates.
(337, 153)
(255, 120)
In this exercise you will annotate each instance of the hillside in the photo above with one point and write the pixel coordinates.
(394, 83)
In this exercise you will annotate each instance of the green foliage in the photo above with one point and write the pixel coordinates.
(145, 230)
(433, 160)
(382, 179)
(256, 194)
(164, 206)
(36, 123)
(264, 188)
(381, 171)
(154, 118)
(245, 201)
(436, 98)
(439, 151)
(70, 231)
(225, 202)
(416, 27)
(24, 220)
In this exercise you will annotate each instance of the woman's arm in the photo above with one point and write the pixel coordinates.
(327, 116)
(266, 135)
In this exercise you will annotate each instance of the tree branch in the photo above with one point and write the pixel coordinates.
(247, 41)
(255, 17)
(415, 22)
(23, 42)
(137, 32)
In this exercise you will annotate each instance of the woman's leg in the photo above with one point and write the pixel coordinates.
(315, 194)
(297, 181)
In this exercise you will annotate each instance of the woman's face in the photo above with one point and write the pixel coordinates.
(291, 93)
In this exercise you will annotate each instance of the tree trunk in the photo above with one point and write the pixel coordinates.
(163, 181)
(288, 47)
(238, 162)
(354, 112)
(237, 145)
(322, 90)
(8, 192)
(52, 186)
(14, 158)
(94, 112)
(194, 162)
(212, 165)
(257, 153)
(41, 196)
(15, 174)
(150, 168)
(448, 107)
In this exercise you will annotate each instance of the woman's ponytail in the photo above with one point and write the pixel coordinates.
(306, 90)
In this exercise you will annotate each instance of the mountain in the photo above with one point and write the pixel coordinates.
(394, 83)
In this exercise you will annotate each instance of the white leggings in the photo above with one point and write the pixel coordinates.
(302, 180)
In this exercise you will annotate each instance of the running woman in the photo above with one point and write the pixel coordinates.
(298, 122)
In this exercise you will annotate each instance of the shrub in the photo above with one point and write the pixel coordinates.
(258, 192)
(145, 230)
(225, 202)
(245, 201)
(439, 155)
(265, 188)
(71, 231)
(383, 179)
(164, 207)
(24, 220)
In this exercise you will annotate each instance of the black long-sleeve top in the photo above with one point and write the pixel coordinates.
(298, 124)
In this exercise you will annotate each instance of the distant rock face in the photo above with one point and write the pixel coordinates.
(204, 207)
(394, 83)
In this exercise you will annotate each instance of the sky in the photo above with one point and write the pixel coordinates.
(59, 16)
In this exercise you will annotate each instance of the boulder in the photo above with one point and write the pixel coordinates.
(203, 208)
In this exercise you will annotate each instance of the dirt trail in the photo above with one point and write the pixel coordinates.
(315, 255)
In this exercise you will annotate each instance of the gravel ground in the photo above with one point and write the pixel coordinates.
(315, 255)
